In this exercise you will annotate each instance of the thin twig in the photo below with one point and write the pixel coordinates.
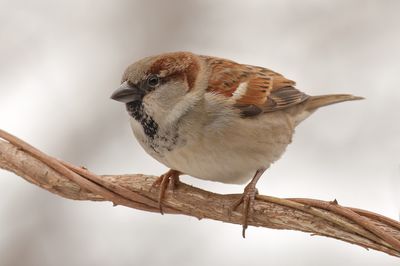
(360, 227)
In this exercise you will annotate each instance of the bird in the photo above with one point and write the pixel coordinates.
(214, 119)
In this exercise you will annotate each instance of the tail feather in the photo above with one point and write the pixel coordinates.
(315, 102)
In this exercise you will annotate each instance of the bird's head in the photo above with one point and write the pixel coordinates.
(165, 85)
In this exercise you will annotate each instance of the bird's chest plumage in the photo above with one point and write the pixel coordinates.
(224, 150)
(156, 140)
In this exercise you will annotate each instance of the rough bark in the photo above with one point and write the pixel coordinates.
(360, 227)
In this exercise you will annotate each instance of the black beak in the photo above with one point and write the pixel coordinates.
(126, 93)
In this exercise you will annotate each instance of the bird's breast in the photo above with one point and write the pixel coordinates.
(233, 153)
(159, 144)
(148, 125)
(228, 152)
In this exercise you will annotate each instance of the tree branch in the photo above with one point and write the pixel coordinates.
(318, 217)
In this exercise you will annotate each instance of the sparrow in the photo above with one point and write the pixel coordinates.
(213, 118)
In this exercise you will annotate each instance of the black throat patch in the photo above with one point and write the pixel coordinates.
(150, 127)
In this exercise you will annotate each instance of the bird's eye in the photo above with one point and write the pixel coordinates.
(153, 81)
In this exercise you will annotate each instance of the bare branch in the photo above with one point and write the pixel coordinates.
(317, 217)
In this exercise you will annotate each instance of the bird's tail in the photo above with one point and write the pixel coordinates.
(315, 102)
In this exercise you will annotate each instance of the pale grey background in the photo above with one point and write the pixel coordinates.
(60, 61)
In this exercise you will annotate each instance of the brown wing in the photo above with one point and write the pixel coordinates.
(254, 90)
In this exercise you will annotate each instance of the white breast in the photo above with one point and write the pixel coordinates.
(224, 147)
(234, 153)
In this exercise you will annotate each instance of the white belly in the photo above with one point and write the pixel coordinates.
(209, 163)
(231, 156)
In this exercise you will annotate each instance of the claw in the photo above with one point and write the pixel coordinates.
(171, 177)
(248, 199)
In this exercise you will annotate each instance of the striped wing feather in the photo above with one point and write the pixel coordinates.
(254, 89)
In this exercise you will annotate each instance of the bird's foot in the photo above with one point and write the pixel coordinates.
(248, 199)
(171, 179)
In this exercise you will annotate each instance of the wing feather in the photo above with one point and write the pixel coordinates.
(254, 90)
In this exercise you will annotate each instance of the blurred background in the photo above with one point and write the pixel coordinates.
(61, 60)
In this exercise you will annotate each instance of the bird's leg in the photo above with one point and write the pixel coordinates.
(247, 198)
(172, 178)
